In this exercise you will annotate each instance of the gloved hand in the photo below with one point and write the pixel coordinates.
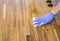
(43, 20)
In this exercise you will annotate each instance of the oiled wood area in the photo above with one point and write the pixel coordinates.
(16, 21)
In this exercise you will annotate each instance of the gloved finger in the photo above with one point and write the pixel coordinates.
(36, 22)
(39, 24)
(36, 19)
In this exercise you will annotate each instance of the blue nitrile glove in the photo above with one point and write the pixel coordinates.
(43, 20)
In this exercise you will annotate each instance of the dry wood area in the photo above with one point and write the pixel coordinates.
(16, 21)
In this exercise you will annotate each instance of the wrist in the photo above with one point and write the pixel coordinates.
(52, 13)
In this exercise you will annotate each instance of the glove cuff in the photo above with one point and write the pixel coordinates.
(52, 13)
